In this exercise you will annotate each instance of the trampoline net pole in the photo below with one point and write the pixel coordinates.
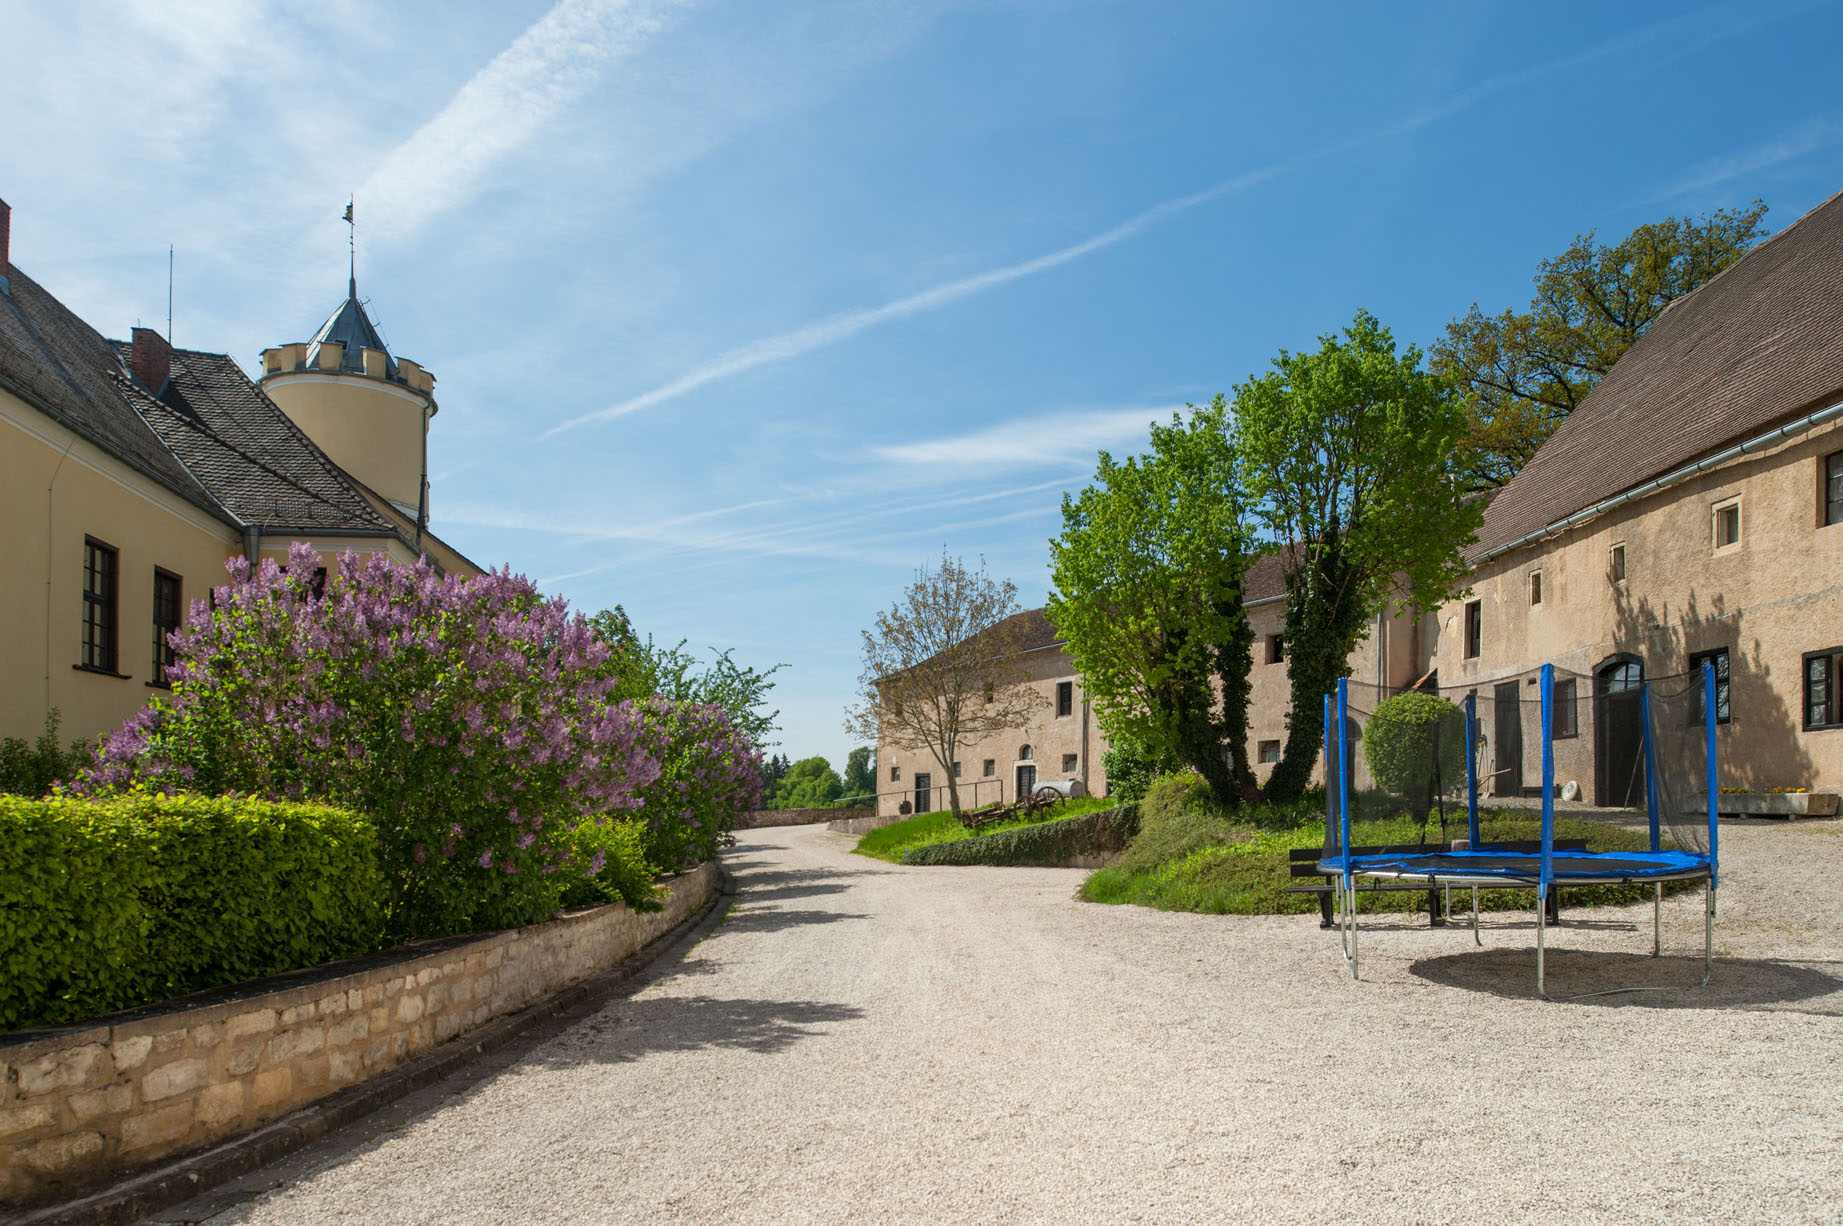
(1653, 804)
(1713, 775)
(1343, 772)
(1547, 690)
(1471, 781)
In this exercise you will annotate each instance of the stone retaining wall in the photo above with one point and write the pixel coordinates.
(866, 823)
(81, 1104)
(801, 817)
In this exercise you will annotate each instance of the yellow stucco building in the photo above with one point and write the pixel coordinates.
(130, 471)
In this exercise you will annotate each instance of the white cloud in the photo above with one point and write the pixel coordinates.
(1808, 139)
(1063, 438)
(500, 109)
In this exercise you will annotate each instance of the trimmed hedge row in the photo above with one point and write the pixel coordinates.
(1049, 845)
(108, 904)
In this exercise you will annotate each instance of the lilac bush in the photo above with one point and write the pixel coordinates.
(710, 776)
(470, 717)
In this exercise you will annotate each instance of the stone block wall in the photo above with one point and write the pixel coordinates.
(800, 817)
(82, 1104)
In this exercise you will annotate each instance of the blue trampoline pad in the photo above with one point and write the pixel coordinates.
(1569, 867)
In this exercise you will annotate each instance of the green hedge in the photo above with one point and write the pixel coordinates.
(1047, 844)
(107, 904)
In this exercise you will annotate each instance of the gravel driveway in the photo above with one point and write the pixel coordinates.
(861, 1043)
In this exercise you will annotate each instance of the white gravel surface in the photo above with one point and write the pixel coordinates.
(865, 1043)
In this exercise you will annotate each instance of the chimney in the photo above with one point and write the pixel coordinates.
(6, 245)
(151, 359)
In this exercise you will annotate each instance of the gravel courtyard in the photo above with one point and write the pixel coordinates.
(864, 1043)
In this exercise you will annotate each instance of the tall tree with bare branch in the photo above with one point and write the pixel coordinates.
(944, 666)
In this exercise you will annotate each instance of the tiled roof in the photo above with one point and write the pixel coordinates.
(1758, 345)
(247, 452)
(75, 376)
(211, 436)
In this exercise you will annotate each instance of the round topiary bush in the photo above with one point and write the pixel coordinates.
(1414, 745)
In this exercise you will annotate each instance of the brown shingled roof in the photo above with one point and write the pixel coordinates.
(1758, 345)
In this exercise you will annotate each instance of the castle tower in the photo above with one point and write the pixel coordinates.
(366, 409)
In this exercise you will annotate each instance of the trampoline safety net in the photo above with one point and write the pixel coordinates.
(1624, 759)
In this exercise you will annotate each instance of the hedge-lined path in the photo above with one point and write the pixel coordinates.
(866, 1043)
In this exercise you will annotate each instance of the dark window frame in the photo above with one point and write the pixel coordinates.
(1616, 562)
(1535, 587)
(1065, 699)
(1830, 490)
(1071, 762)
(101, 643)
(1474, 629)
(990, 767)
(1724, 685)
(1260, 752)
(1565, 716)
(1276, 649)
(895, 774)
(1832, 660)
(163, 654)
(1026, 754)
(956, 770)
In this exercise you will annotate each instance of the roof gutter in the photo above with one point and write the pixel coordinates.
(1809, 421)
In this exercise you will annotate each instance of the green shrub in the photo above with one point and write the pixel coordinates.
(1045, 844)
(619, 849)
(1131, 769)
(1413, 743)
(29, 768)
(1177, 817)
(107, 904)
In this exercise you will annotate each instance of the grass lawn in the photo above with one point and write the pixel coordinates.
(1247, 873)
(892, 842)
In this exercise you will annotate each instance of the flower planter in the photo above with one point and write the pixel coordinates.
(1769, 804)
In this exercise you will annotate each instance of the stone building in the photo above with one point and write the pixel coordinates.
(130, 471)
(1689, 511)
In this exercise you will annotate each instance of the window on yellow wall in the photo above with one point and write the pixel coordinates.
(1727, 524)
(1833, 488)
(1535, 587)
(1474, 628)
(1615, 563)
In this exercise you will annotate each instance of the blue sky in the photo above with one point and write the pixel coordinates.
(741, 310)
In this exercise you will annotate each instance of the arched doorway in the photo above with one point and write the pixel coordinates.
(1618, 744)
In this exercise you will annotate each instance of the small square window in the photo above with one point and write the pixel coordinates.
(1269, 751)
(1535, 587)
(1833, 488)
(1065, 698)
(1276, 649)
(1474, 628)
(1823, 676)
(1069, 762)
(895, 774)
(991, 767)
(1615, 564)
(1719, 658)
(1727, 526)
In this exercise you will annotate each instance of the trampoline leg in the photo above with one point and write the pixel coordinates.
(1657, 922)
(1708, 936)
(1353, 930)
(1542, 921)
(1476, 939)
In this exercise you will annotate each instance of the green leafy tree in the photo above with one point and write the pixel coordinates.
(861, 772)
(811, 783)
(643, 667)
(944, 665)
(1523, 372)
(1132, 767)
(1148, 593)
(1414, 745)
(1350, 457)
(773, 771)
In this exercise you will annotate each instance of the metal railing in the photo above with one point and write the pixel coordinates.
(974, 794)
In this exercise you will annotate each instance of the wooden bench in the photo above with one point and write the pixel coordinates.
(1302, 862)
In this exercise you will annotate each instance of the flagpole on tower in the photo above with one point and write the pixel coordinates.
(351, 251)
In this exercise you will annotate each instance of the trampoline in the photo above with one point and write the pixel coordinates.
(1651, 744)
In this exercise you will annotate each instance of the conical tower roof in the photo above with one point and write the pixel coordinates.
(348, 325)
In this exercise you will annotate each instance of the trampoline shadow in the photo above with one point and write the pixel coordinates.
(1737, 983)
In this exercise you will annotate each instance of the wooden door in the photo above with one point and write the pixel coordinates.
(1618, 757)
(1507, 716)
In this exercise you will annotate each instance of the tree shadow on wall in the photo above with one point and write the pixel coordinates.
(1665, 639)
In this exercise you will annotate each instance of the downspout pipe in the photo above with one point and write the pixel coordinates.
(252, 543)
(1757, 443)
